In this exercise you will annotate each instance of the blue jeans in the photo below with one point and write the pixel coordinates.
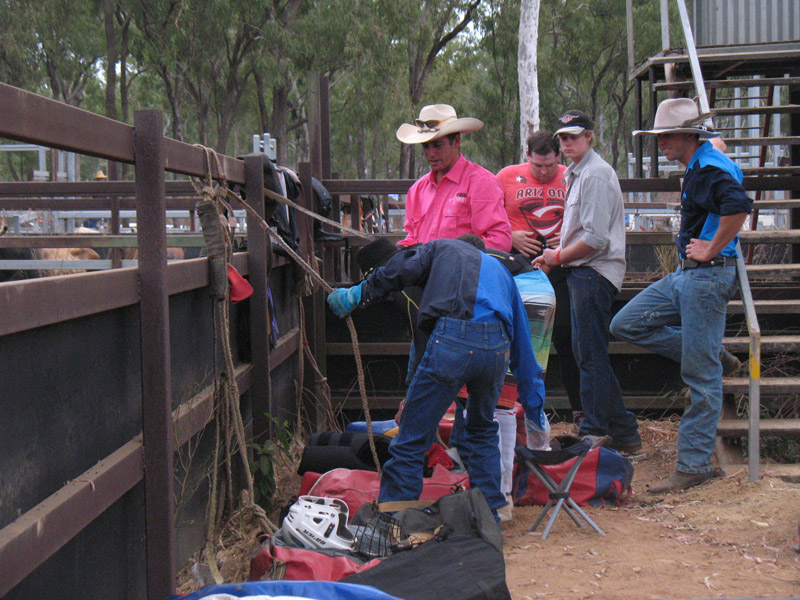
(682, 317)
(591, 296)
(457, 352)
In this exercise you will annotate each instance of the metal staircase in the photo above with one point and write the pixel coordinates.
(743, 98)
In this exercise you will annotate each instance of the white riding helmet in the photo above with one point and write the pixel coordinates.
(318, 523)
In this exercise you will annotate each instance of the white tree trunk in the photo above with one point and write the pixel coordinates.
(527, 70)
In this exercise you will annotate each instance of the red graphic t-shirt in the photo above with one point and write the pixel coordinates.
(533, 206)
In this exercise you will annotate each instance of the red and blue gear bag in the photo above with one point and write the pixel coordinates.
(604, 477)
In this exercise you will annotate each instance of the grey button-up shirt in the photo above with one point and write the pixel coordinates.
(595, 213)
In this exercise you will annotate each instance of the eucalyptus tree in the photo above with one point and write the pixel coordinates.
(422, 29)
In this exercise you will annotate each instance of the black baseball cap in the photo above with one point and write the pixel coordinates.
(574, 122)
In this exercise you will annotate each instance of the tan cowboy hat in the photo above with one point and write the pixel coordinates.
(679, 115)
(435, 121)
(100, 176)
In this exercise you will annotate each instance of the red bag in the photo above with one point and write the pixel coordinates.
(298, 564)
(359, 487)
(604, 477)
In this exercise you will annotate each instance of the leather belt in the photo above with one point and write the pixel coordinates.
(717, 261)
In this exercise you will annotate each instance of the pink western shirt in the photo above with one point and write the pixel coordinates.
(468, 199)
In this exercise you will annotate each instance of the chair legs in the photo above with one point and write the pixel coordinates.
(559, 497)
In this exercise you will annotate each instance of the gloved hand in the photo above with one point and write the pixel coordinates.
(538, 432)
(343, 301)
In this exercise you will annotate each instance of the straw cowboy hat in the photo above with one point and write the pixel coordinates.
(435, 121)
(679, 115)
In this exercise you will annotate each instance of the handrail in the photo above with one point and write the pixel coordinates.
(754, 333)
(753, 329)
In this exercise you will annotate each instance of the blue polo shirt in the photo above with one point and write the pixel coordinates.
(712, 188)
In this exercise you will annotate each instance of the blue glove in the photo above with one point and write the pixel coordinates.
(343, 301)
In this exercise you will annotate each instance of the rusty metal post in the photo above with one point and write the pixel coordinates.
(653, 107)
(116, 253)
(257, 248)
(637, 141)
(148, 148)
(314, 305)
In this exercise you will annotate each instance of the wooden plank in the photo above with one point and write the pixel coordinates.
(155, 352)
(387, 401)
(28, 117)
(769, 387)
(35, 536)
(286, 346)
(773, 271)
(777, 204)
(789, 471)
(769, 343)
(772, 427)
(787, 140)
(756, 110)
(729, 83)
(39, 533)
(767, 306)
(771, 236)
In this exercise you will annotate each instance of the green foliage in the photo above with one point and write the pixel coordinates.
(264, 461)
(224, 70)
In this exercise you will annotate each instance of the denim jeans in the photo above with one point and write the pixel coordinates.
(458, 352)
(682, 317)
(591, 296)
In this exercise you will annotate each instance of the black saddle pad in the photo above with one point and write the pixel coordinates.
(554, 457)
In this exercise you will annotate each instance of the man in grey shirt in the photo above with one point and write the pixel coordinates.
(593, 252)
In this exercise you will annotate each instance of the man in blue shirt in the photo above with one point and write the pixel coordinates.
(682, 316)
(477, 325)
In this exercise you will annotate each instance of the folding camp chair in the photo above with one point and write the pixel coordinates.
(559, 493)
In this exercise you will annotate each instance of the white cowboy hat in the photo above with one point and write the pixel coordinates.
(435, 121)
(679, 115)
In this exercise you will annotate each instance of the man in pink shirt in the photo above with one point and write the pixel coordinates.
(457, 196)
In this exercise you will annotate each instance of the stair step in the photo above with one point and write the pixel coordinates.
(764, 307)
(769, 387)
(756, 110)
(769, 343)
(786, 140)
(729, 83)
(783, 271)
(766, 469)
(740, 427)
(773, 204)
(770, 236)
(788, 170)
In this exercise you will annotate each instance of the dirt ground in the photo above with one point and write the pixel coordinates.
(727, 538)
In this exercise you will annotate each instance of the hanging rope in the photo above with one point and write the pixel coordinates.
(312, 276)
(317, 279)
(230, 434)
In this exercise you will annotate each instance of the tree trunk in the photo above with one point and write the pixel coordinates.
(361, 153)
(528, 71)
(280, 113)
(112, 55)
(376, 151)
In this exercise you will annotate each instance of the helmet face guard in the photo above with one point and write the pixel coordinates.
(319, 523)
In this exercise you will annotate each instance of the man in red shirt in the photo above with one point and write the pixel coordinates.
(457, 196)
(534, 193)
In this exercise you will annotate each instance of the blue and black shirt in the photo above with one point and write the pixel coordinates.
(712, 188)
(461, 282)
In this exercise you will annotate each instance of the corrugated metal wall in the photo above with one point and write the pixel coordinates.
(721, 22)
